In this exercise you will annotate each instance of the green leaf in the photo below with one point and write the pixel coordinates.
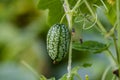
(75, 69)
(55, 8)
(90, 46)
(51, 78)
(111, 14)
(74, 73)
(64, 77)
(85, 65)
(43, 77)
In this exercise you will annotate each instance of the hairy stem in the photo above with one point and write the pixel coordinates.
(69, 16)
(67, 9)
(69, 60)
(69, 19)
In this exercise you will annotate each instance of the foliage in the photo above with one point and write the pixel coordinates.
(90, 46)
(23, 28)
(55, 10)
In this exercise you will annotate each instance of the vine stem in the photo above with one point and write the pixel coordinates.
(69, 19)
(31, 69)
(69, 60)
(114, 77)
(105, 73)
(62, 18)
(116, 46)
(103, 30)
(77, 5)
(69, 16)
(104, 5)
(114, 59)
(118, 29)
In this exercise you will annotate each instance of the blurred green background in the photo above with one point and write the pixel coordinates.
(23, 29)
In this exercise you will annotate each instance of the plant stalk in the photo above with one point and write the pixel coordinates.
(112, 57)
(116, 46)
(77, 5)
(118, 29)
(31, 69)
(118, 26)
(69, 19)
(69, 16)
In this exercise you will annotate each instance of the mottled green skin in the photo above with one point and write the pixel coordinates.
(58, 40)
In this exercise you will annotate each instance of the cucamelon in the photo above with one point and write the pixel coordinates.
(58, 40)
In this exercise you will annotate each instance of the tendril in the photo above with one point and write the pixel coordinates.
(62, 18)
(104, 5)
(85, 28)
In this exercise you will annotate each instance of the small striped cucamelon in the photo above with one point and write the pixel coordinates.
(58, 40)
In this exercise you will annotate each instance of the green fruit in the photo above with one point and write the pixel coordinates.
(58, 40)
